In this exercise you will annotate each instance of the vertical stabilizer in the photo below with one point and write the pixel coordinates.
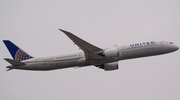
(17, 53)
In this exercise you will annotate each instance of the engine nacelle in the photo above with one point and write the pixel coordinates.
(111, 53)
(110, 66)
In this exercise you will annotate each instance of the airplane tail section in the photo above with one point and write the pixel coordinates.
(17, 53)
(14, 62)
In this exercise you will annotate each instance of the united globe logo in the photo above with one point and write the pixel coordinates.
(21, 55)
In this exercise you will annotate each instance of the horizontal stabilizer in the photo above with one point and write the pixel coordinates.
(9, 69)
(14, 62)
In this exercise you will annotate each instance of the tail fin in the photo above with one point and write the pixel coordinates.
(17, 53)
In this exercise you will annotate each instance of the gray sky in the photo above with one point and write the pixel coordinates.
(33, 26)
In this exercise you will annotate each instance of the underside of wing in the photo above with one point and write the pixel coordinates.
(90, 50)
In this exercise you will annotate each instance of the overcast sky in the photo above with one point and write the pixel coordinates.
(33, 25)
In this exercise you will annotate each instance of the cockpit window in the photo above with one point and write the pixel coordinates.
(171, 42)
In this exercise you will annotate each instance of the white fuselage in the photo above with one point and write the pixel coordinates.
(78, 59)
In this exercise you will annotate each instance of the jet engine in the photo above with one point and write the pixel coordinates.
(110, 53)
(110, 66)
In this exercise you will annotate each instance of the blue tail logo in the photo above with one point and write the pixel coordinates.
(17, 53)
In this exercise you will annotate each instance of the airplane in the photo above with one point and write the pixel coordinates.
(106, 59)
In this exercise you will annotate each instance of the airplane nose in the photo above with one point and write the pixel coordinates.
(172, 48)
(175, 48)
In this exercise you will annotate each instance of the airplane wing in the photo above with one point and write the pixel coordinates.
(89, 49)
